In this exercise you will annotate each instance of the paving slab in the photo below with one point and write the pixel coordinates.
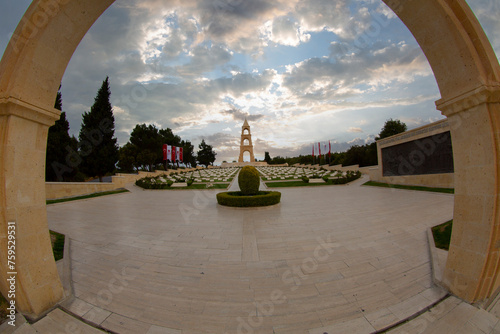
(351, 257)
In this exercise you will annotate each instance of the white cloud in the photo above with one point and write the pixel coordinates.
(309, 70)
(285, 30)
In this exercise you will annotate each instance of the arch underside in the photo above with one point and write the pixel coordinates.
(464, 64)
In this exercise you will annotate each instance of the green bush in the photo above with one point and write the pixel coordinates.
(249, 180)
(349, 177)
(305, 179)
(153, 183)
(325, 178)
(190, 182)
(238, 199)
(341, 180)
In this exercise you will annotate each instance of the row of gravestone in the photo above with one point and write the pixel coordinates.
(208, 175)
(293, 173)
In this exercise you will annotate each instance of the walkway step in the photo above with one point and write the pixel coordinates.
(56, 321)
(451, 316)
(21, 326)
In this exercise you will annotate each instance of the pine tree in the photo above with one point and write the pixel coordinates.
(206, 155)
(98, 148)
(58, 139)
(392, 127)
(267, 157)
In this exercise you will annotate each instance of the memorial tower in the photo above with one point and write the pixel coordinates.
(246, 142)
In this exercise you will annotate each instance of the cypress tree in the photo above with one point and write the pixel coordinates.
(58, 139)
(98, 148)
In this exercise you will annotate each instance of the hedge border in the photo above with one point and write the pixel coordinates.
(236, 199)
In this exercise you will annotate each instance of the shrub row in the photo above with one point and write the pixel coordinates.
(153, 183)
(340, 178)
(349, 177)
(237, 199)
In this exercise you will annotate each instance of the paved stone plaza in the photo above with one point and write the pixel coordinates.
(350, 258)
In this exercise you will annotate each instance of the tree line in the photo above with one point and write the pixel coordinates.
(96, 153)
(362, 155)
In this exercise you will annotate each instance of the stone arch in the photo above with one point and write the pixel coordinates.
(246, 132)
(246, 156)
(246, 141)
(463, 62)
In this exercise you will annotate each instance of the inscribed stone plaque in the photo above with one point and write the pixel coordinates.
(429, 155)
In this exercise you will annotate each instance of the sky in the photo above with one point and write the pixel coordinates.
(300, 71)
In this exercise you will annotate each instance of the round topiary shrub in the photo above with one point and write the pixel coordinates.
(249, 180)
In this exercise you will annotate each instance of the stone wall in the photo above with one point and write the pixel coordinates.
(57, 190)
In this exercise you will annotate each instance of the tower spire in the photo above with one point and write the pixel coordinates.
(246, 142)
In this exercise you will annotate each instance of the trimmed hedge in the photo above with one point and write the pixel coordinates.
(153, 183)
(238, 199)
(349, 177)
(249, 180)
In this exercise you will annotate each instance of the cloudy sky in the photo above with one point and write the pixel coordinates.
(299, 71)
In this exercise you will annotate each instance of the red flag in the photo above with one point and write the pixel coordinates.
(169, 152)
(180, 155)
(319, 150)
(165, 148)
(313, 150)
(173, 154)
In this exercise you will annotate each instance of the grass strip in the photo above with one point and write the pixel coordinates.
(201, 186)
(442, 235)
(57, 245)
(4, 304)
(287, 184)
(57, 240)
(61, 200)
(418, 188)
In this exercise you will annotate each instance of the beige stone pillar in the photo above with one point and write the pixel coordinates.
(23, 141)
(473, 260)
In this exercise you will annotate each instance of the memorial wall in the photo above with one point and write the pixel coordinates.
(422, 157)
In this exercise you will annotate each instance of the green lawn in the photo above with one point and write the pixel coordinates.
(201, 186)
(419, 188)
(3, 309)
(286, 184)
(57, 245)
(442, 235)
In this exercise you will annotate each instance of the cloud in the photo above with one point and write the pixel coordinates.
(239, 115)
(241, 83)
(205, 58)
(285, 30)
(328, 79)
(293, 66)
(335, 16)
(354, 129)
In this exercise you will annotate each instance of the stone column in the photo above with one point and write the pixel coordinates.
(473, 260)
(23, 141)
